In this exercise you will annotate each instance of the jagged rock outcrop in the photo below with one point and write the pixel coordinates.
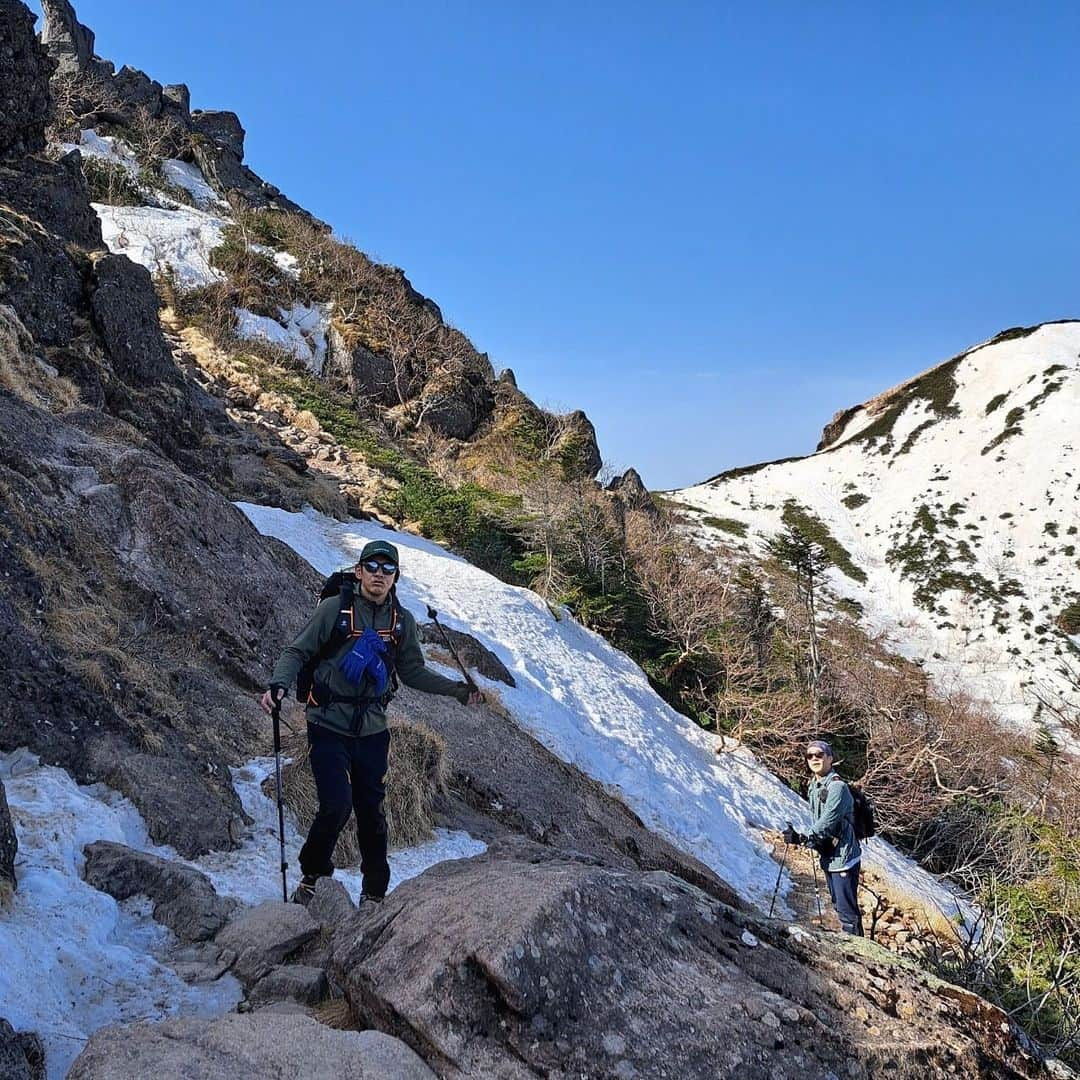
(221, 127)
(25, 69)
(69, 42)
(22, 1057)
(369, 376)
(524, 962)
(9, 848)
(264, 1045)
(184, 899)
(632, 492)
(55, 196)
(454, 405)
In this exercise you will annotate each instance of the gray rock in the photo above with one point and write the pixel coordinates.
(264, 1045)
(523, 962)
(25, 68)
(292, 982)
(125, 308)
(369, 376)
(179, 809)
(266, 935)
(221, 127)
(55, 194)
(456, 406)
(473, 653)
(184, 899)
(69, 42)
(331, 905)
(9, 848)
(22, 1057)
(176, 101)
(137, 90)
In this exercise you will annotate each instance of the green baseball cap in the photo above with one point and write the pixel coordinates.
(379, 547)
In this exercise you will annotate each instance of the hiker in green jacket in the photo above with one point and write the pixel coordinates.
(346, 712)
(832, 835)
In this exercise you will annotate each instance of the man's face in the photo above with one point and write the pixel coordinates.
(375, 583)
(818, 762)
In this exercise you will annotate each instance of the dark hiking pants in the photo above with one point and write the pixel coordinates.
(349, 777)
(844, 890)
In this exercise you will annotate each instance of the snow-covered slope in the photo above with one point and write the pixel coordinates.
(953, 507)
(592, 706)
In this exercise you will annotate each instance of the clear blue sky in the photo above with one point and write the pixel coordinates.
(708, 225)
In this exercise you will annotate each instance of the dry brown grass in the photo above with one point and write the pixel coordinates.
(416, 774)
(7, 893)
(337, 1014)
(24, 375)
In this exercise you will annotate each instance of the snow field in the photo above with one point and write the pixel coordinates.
(593, 707)
(301, 330)
(1006, 498)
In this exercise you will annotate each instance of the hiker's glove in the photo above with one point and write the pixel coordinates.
(367, 648)
(793, 837)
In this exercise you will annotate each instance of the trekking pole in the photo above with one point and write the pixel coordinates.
(433, 615)
(276, 713)
(817, 891)
(776, 887)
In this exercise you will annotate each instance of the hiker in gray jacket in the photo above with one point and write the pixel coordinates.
(832, 835)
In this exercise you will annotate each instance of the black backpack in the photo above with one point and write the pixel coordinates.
(342, 583)
(862, 813)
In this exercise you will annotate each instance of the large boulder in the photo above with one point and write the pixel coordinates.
(472, 653)
(68, 42)
(138, 91)
(54, 194)
(184, 899)
(263, 1045)
(221, 127)
(25, 68)
(455, 405)
(125, 308)
(521, 963)
(265, 936)
(22, 1056)
(9, 848)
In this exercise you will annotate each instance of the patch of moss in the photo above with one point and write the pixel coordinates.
(816, 531)
(854, 501)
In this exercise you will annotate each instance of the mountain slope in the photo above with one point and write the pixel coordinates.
(950, 506)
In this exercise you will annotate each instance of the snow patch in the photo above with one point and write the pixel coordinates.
(184, 175)
(178, 240)
(285, 260)
(73, 959)
(107, 148)
(301, 331)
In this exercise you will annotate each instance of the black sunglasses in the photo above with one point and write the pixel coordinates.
(815, 756)
(373, 566)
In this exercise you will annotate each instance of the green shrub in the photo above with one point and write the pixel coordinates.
(855, 500)
(815, 530)
(726, 524)
(111, 183)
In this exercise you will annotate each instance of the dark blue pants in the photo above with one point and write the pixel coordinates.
(350, 773)
(844, 890)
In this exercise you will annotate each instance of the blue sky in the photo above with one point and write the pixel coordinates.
(708, 225)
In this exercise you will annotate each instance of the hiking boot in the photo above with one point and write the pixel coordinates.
(305, 890)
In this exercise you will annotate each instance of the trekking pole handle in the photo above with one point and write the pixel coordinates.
(433, 615)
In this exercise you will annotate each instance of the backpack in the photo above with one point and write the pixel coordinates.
(342, 583)
(862, 814)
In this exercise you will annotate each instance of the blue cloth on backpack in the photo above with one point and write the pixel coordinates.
(365, 658)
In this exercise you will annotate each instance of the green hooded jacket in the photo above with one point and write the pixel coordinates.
(832, 832)
(346, 717)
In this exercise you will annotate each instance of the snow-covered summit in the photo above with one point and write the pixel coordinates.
(953, 506)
